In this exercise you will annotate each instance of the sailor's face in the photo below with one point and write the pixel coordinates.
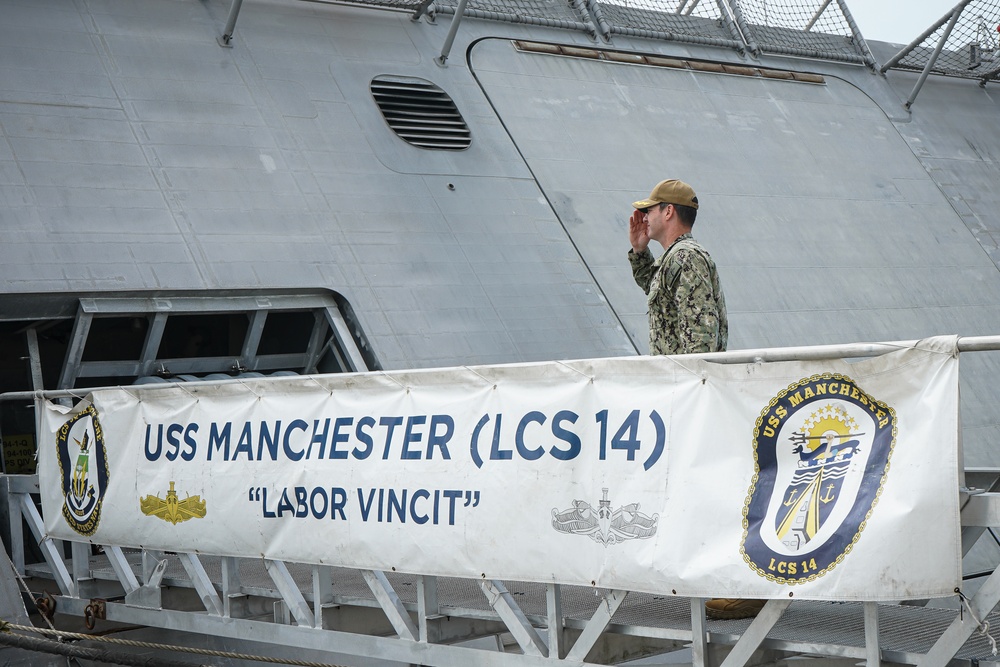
(654, 218)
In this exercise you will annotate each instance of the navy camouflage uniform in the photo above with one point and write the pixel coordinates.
(687, 309)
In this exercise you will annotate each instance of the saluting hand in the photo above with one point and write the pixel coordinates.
(638, 232)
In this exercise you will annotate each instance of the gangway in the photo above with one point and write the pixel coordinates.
(365, 614)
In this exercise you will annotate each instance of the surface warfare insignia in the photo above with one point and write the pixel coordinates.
(822, 448)
(83, 468)
(172, 508)
(604, 525)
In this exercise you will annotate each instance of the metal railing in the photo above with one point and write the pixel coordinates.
(963, 43)
(821, 29)
(423, 619)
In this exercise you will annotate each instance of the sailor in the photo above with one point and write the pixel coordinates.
(687, 308)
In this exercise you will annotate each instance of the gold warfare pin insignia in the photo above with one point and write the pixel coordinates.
(172, 508)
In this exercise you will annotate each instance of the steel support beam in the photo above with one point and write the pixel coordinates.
(386, 648)
(905, 51)
(80, 552)
(428, 607)
(933, 59)
(322, 588)
(151, 563)
(872, 648)
(503, 603)
(34, 359)
(391, 604)
(553, 607)
(232, 590)
(981, 510)
(848, 351)
(315, 346)
(756, 633)
(290, 593)
(74, 351)
(699, 634)
(596, 626)
(126, 577)
(815, 17)
(248, 355)
(687, 11)
(226, 38)
(452, 31)
(859, 39)
(154, 335)
(14, 486)
(345, 340)
(948, 644)
(52, 556)
(202, 584)
(16, 534)
(324, 308)
(732, 7)
(189, 365)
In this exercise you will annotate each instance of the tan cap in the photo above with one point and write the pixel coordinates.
(669, 192)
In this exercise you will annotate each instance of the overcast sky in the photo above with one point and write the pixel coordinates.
(898, 21)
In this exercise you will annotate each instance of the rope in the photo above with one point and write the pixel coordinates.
(42, 607)
(984, 626)
(5, 627)
(96, 654)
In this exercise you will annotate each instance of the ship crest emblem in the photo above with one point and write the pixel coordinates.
(603, 524)
(83, 466)
(822, 448)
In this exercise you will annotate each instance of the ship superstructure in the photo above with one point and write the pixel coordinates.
(214, 190)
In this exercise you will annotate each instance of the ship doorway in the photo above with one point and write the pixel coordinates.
(112, 341)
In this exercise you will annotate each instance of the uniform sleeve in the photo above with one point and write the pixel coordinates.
(698, 321)
(642, 268)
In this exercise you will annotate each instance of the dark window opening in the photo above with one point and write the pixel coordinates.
(286, 332)
(194, 336)
(17, 418)
(115, 338)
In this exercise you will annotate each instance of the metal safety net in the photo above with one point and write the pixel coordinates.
(706, 22)
(965, 42)
(808, 28)
(569, 14)
(804, 28)
(387, 4)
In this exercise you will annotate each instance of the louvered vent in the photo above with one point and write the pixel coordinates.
(421, 113)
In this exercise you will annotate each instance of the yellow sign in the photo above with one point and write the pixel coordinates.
(19, 454)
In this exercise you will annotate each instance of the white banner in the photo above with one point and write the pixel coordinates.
(822, 480)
